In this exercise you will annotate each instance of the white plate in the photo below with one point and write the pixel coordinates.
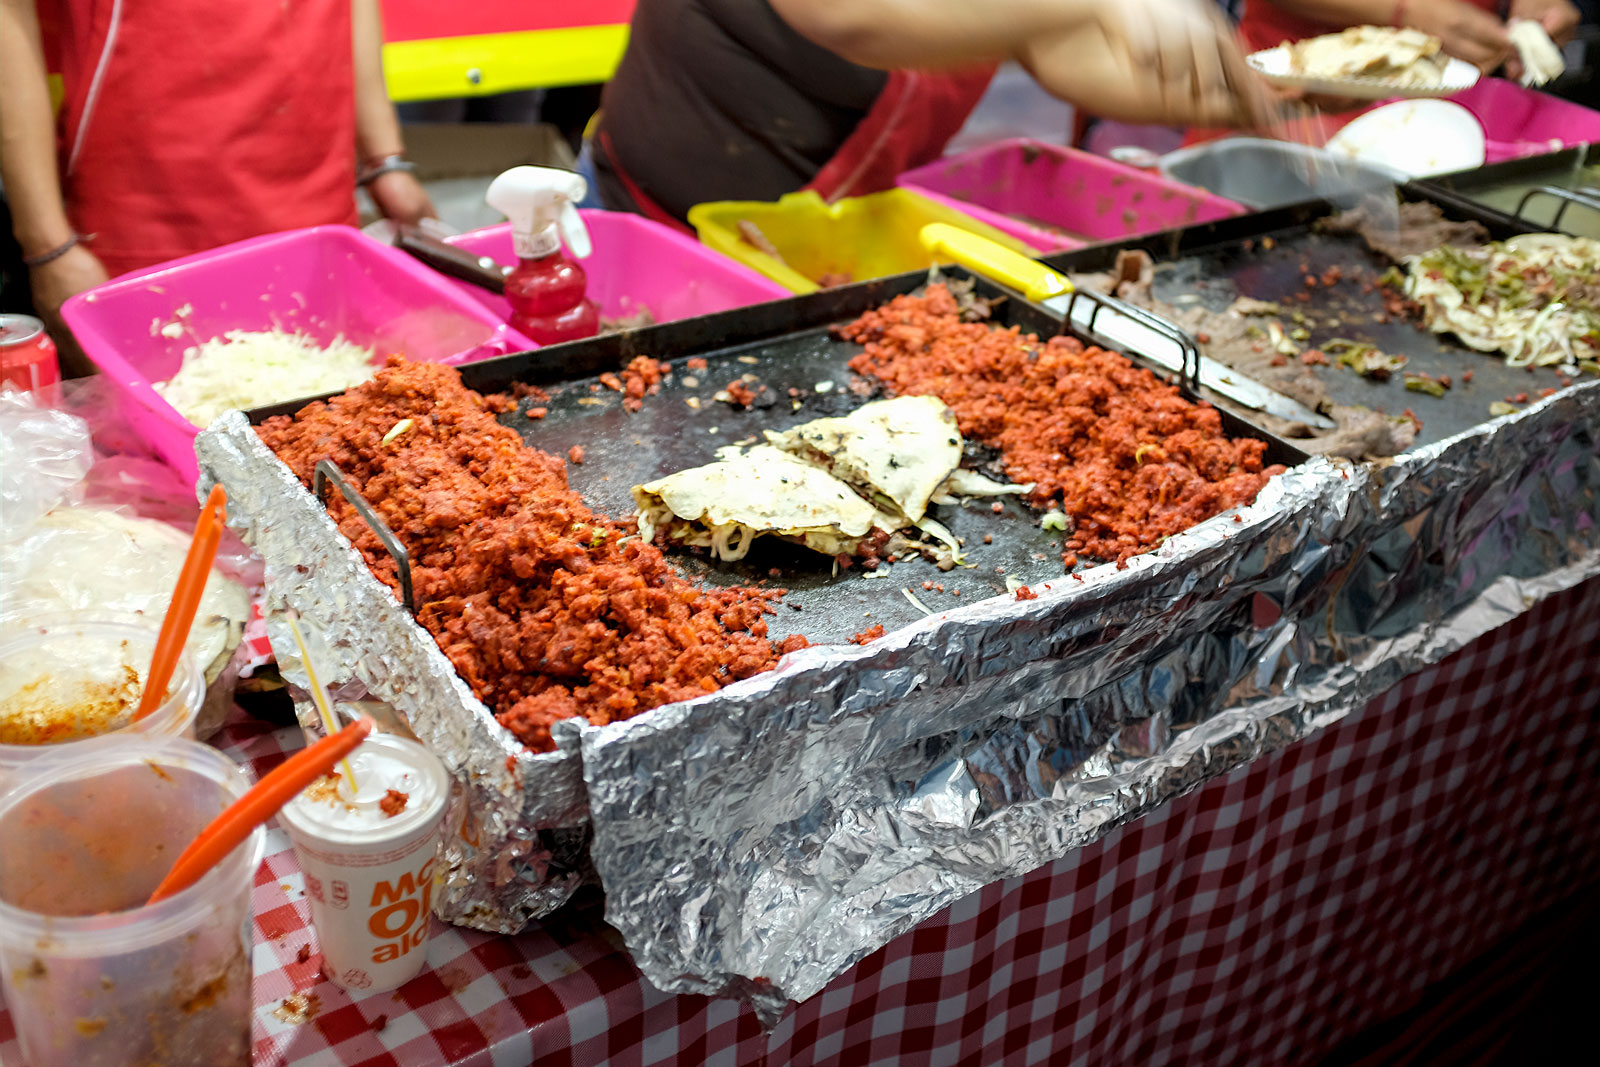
(1273, 64)
(1417, 138)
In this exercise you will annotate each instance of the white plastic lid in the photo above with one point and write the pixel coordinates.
(328, 811)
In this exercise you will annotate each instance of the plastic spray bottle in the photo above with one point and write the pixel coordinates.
(546, 289)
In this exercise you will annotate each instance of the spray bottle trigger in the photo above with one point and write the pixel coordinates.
(573, 232)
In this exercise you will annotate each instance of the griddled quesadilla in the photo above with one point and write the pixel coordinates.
(726, 505)
(897, 452)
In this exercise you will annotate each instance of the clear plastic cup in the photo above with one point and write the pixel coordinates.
(368, 860)
(67, 678)
(93, 977)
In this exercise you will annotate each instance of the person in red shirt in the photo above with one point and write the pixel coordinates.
(1472, 30)
(187, 124)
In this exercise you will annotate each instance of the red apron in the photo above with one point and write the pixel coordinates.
(186, 124)
(908, 125)
(1265, 25)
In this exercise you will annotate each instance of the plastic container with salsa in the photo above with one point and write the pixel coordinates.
(67, 678)
(93, 976)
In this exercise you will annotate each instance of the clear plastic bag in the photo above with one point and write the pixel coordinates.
(44, 456)
(108, 533)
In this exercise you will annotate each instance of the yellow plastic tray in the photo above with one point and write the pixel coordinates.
(863, 236)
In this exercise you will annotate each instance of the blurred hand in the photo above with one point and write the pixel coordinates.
(401, 197)
(1559, 18)
(1193, 52)
(62, 278)
(1172, 62)
(1466, 32)
(1300, 102)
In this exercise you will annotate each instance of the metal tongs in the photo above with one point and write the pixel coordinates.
(1112, 323)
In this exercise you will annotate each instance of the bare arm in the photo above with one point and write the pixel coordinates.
(377, 127)
(27, 134)
(398, 194)
(887, 34)
(28, 169)
(1174, 59)
(1092, 67)
(1338, 12)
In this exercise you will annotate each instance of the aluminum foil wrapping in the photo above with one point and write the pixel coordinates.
(517, 821)
(760, 840)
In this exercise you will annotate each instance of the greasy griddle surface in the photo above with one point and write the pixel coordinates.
(786, 344)
(623, 449)
(1223, 272)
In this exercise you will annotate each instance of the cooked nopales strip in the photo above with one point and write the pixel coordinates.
(1536, 298)
(726, 505)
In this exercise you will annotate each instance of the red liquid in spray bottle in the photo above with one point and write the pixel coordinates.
(546, 290)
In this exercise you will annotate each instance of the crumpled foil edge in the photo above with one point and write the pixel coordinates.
(517, 821)
(760, 840)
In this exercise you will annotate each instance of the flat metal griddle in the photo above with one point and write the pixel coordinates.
(1219, 262)
(1514, 186)
(786, 344)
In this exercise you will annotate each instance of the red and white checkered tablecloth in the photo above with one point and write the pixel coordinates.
(1262, 918)
(257, 646)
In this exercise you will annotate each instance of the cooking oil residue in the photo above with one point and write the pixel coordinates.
(50, 710)
(298, 1008)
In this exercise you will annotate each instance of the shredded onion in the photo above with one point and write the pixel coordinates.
(1531, 298)
(244, 369)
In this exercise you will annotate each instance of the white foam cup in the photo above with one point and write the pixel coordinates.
(368, 860)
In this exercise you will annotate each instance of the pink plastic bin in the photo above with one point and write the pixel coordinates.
(323, 281)
(1521, 122)
(1516, 122)
(636, 264)
(1090, 197)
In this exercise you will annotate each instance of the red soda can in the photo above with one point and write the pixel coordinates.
(27, 355)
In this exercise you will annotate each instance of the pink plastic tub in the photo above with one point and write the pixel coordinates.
(637, 264)
(1516, 122)
(1057, 198)
(323, 281)
(1521, 122)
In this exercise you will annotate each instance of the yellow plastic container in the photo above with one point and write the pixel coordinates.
(860, 237)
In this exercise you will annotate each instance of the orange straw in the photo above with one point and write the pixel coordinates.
(262, 802)
(185, 601)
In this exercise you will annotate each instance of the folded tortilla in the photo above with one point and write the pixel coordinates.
(896, 451)
(725, 506)
(1404, 57)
